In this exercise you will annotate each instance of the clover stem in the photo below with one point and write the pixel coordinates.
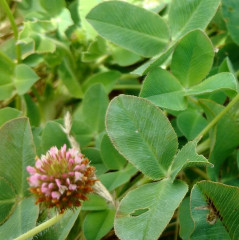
(200, 173)
(203, 146)
(14, 27)
(127, 86)
(217, 118)
(176, 227)
(41, 227)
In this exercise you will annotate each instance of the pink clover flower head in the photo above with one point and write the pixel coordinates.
(61, 179)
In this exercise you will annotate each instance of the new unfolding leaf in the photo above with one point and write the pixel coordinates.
(187, 157)
(36, 32)
(145, 212)
(63, 21)
(121, 23)
(187, 15)
(142, 134)
(95, 50)
(215, 211)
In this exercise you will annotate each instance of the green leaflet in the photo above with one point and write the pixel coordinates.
(119, 22)
(138, 130)
(186, 15)
(215, 211)
(144, 212)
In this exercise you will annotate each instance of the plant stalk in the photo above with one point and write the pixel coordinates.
(41, 227)
(127, 86)
(217, 118)
(14, 27)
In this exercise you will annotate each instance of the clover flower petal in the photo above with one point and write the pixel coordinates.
(62, 178)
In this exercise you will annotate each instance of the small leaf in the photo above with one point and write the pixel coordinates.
(187, 157)
(120, 22)
(164, 90)
(124, 57)
(36, 32)
(94, 107)
(33, 111)
(68, 77)
(215, 211)
(110, 156)
(24, 78)
(192, 58)
(94, 203)
(142, 134)
(187, 15)
(7, 114)
(103, 222)
(107, 79)
(53, 135)
(96, 49)
(158, 201)
(63, 21)
(6, 71)
(112, 180)
(95, 160)
(191, 123)
(82, 133)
